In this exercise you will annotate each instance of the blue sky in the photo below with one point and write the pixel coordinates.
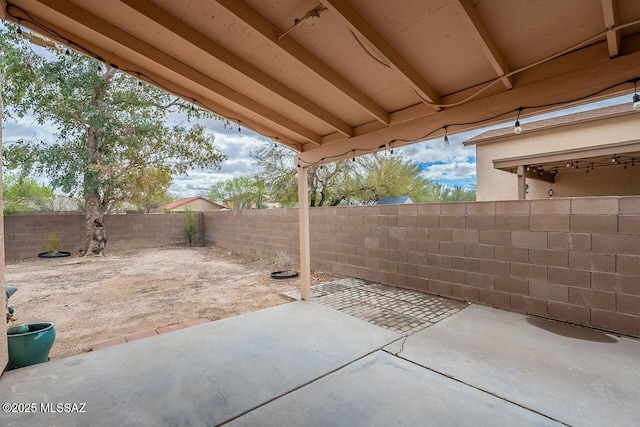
(453, 165)
(456, 164)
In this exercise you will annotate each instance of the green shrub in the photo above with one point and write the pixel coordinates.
(52, 243)
(190, 225)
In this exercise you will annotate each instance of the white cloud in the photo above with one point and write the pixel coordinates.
(27, 128)
(235, 145)
(450, 171)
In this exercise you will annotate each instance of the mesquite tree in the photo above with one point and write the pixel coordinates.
(111, 129)
(362, 180)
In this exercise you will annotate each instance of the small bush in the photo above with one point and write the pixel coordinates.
(190, 225)
(283, 261)
(52, 243)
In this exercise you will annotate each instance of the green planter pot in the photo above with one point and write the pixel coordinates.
(30, 347)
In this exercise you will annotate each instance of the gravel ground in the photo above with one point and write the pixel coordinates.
(95, 299)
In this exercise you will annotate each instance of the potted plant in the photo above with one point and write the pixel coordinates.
(283, 265)
(28, 343)
(52, 246)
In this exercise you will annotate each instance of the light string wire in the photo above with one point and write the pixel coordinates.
(469, 123)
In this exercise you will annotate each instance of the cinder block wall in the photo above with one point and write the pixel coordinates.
(576, 260)
(25, 235)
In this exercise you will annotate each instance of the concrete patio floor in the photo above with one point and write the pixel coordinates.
(303, 364)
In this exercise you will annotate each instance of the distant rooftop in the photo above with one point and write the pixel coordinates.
(179, 202)
(395, 200)
(569, 119)
(185, 201)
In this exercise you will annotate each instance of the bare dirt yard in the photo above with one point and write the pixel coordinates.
(95, 299)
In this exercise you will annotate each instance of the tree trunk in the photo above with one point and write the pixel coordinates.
(96, 236)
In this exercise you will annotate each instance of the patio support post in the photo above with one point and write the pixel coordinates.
(522, 184)
(4, 351)
(303, 220)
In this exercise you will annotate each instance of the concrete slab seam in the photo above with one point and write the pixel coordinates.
(477, 388)
(303, 385)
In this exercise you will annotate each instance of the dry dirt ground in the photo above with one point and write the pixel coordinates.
(95, 299)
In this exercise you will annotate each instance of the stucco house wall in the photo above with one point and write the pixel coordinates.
(199, 205)
(495, 184)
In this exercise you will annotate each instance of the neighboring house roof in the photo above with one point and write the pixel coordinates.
(395, 200)
(569, 119)
(185, 201)
(179, 202)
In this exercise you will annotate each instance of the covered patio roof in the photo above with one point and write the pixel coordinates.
(336, 78)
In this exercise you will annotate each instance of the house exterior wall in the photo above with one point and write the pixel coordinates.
(494, 184)
(199, 205)
(575, 260)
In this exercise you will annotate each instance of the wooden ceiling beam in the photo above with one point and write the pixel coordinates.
(3, 9)
(151, 77)
(202, 42)
(562, 88)
(611, 19)
(268, 30)
(98, 25)
(474, 23)
(367, 34)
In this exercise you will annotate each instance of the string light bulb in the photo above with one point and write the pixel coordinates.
(517, 128)
(636, 98)
(446, 138)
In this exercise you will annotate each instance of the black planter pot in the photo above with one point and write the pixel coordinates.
(54, 254)
(285, 274)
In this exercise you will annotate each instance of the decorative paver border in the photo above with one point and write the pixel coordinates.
(400, 310)
(151, 333)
